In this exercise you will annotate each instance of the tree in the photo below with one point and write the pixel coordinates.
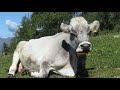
(5, 49)
(13, 44)
(49, 21)
(108, 20)
(42, 24)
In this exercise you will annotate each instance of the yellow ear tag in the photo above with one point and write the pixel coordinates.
(94, 29)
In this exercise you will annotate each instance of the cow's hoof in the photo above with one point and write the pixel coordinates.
(11, 76)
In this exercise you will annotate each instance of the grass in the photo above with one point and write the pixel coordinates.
(104, 58)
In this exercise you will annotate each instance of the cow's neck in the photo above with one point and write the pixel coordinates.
(69, 43)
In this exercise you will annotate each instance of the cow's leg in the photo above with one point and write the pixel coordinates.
(67, 71)
(13, 67)
(44, 71)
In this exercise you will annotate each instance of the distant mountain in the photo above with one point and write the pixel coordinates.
(6, 40)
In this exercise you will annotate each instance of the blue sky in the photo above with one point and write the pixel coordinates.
(9, 22)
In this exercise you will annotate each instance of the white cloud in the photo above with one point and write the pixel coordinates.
(12, 26)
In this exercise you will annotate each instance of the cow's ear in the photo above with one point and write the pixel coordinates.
(68, 29)
(65, 27)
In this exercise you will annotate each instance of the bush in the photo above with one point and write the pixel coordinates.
(117, 28)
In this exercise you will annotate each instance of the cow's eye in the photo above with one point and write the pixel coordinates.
(73, 34)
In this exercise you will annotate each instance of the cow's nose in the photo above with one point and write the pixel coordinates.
(85, 47)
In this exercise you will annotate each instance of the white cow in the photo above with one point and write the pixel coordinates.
(58, 52)
(94, 27)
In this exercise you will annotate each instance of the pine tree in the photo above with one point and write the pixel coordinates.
(5, 49)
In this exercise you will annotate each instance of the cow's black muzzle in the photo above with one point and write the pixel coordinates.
(86, 47)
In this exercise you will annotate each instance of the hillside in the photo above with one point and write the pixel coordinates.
(2, 40)
(105, 56)
(102, 62)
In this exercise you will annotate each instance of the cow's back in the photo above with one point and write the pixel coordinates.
(45, 44)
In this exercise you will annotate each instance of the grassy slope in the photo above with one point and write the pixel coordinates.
(104, 58)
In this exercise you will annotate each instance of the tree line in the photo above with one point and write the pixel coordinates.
(41, 24)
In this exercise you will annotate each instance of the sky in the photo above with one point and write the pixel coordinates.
(9, 22)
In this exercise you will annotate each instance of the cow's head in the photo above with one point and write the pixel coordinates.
(80, 29)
